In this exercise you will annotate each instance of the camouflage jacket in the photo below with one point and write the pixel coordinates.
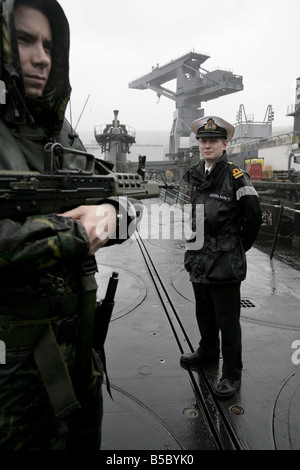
(30, 247)
(46, 311)
(37, 244)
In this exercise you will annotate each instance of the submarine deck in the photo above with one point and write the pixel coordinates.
(159, 405)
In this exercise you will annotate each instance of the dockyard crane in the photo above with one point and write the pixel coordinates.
(194, 84)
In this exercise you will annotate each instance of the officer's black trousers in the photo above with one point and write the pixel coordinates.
(218, 310)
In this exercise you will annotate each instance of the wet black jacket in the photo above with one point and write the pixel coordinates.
(232, 218)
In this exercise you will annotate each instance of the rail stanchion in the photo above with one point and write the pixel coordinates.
(276, 231)
(296, 236)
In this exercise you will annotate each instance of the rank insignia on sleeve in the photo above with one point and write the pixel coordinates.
(237, 173)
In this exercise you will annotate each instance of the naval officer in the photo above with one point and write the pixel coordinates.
(232, 219)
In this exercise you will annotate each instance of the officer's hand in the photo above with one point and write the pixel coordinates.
(99, 222)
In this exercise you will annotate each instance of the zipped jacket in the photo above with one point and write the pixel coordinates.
(232, 219)
(48, 287)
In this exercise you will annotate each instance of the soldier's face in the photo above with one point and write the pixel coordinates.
(211, 148)
(35, 44)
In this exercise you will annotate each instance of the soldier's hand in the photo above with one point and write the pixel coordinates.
(99, 222)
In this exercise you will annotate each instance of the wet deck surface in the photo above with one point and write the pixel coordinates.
(159, 405)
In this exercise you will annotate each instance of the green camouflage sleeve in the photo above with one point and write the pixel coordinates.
(41, 242)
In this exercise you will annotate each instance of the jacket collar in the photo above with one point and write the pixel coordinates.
(195, 175)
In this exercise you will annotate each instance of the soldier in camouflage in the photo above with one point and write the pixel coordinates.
(50, 384)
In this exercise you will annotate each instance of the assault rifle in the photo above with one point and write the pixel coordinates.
(58, 189)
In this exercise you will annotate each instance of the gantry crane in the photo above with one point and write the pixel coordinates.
(194, 84)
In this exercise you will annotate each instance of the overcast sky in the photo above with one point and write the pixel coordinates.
(113, 42)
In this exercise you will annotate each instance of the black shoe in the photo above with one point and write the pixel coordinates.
(226, 388)
(198, 358)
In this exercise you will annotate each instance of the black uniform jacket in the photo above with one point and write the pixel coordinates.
(232, 218)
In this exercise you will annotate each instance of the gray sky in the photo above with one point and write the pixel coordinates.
(115, 42)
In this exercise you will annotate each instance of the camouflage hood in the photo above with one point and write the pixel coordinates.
(50, 108)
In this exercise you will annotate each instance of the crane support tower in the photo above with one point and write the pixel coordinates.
(115, 140)
(246, 129)
(194, 85)
(294, 109)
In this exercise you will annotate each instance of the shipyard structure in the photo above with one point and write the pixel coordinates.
(254, 148)
(194, 84)
(115, 140)
(273, 162)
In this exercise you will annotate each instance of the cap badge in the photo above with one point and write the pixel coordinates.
(210, 125)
